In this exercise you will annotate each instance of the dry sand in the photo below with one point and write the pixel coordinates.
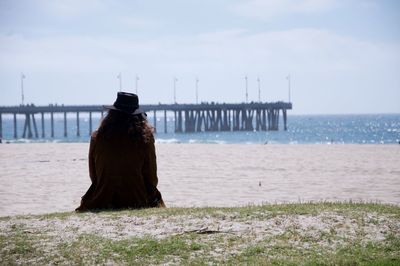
(253, 228)
(51, 177)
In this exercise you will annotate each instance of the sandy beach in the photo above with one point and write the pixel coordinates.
(51, 177)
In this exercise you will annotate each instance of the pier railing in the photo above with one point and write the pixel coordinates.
(187, 117)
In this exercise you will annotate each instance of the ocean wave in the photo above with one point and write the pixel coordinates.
(167, 141)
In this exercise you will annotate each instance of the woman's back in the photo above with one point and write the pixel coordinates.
(122, 164)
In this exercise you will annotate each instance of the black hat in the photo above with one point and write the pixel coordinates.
(126, 102)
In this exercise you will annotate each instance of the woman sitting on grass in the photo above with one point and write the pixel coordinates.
(122, 160)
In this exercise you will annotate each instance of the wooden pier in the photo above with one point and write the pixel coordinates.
(187, 117)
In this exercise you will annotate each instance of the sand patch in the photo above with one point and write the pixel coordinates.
(51, 177)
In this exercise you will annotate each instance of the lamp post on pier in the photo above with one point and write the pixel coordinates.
(259, 89)
(120, 81)
(288, 78)
(247, 94)
(22, 88)
(136, 83)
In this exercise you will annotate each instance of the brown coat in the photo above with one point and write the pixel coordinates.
(123, 173)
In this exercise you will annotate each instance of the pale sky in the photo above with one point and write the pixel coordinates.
(343, 56)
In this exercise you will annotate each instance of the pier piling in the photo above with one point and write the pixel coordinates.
(52, 124)
(78, 133)
(284, 120)
(1, 127)
(155, 121)
(15, 126)
(165, 121)
(27, 127)
(43, 134)
(34, 126)
(65, 125)
(90, 123)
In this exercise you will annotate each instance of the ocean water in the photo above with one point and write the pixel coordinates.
(302, 129)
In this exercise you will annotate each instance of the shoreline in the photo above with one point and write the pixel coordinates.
(177, 142)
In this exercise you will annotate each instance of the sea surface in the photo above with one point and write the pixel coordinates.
(302, 129)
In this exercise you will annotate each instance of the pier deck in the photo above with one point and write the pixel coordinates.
(187, 117)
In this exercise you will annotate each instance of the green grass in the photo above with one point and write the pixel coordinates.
(346, 236)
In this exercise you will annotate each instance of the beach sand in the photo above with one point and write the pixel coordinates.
(38, 178)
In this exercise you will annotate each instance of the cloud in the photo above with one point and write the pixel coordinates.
(135, 23)
(236, 50)
(71, 8)
(267, 10)
(324, 65)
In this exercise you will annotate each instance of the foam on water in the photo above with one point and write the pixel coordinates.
(173, 140)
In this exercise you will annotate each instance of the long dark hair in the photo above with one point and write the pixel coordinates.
(135, 125)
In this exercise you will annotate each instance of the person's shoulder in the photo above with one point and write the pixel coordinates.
(93, 136)
(149, 141)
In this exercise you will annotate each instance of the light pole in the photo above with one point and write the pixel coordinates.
(288, 78)
(120, 81)
(136, 83)
(197, 91)
(247, 94)
(259, 89)
(22, 88)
